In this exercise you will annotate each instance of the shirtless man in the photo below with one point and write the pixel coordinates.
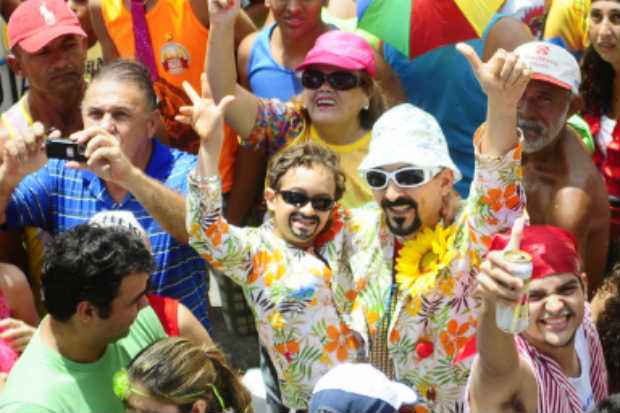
(562, 185)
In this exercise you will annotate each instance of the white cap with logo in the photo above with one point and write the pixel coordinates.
(551, 63)
(407, 134)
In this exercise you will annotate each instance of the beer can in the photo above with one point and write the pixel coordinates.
(514, 318)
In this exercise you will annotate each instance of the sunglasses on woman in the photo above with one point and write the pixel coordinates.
(299, 200)
(407, 177)
(313, 79)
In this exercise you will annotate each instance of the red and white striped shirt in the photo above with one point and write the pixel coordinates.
(555, 393)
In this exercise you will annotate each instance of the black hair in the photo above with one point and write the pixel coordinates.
(597, 85)
(88, 263)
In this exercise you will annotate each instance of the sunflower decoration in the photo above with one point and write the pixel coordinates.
(423, 258)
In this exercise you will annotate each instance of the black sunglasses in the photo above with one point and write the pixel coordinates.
(299, 199)
(313, 79)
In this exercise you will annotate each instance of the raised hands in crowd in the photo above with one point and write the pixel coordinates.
(365, 253)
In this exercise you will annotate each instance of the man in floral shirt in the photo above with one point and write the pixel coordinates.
(319, 291)
(417, 312)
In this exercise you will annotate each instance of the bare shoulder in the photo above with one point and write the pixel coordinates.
(583, 172)
(243, 57)
(507, 33)
(12, 280)
(245, 47)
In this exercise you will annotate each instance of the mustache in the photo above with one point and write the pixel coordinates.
(400, 201)
(531, 125)
(69, 70)
(299, 215)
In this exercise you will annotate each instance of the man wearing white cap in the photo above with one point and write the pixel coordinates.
(563, 187)
(418, 308)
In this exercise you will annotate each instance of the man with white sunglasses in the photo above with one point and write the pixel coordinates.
(417, 308)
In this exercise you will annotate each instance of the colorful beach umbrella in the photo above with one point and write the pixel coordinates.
(415, 27)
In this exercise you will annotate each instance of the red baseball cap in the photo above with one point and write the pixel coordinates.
(343, 50)
(35, 23)
(553, 249)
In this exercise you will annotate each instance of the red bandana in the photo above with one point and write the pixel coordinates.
(553, 249)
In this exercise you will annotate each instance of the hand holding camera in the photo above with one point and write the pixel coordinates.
(102, 155)
(63, 148)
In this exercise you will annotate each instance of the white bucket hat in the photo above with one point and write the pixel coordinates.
(407, 134)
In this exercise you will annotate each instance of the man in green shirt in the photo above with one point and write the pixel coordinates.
(94, 285)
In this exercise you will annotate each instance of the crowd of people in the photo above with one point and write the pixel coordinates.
(362, 200)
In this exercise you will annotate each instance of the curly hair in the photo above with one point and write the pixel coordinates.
(305, 154)
(608, 326)
(597, 84)
(89, 263)
(176, 371)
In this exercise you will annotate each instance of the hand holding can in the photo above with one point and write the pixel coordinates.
(514, 319)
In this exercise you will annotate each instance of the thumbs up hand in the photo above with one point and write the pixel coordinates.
(495, 281)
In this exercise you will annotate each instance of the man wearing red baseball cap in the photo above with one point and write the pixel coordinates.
(556, 365)
(563, 187)
(48, 48)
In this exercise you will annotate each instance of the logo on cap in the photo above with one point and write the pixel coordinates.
(543, 50)
(47, 15)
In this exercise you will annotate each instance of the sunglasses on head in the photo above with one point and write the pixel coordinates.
(407, 177)
(299, 199)
(313, 79)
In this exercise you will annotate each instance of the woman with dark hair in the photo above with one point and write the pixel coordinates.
(600, 90)
(174, 375)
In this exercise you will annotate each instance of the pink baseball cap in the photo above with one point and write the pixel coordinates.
(35, 23)
(551, 63)
(341, 49)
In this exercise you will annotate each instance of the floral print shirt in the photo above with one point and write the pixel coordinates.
(301, 299)
(316, 308)
(427, 331)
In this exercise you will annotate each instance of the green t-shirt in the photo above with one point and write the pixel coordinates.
(44, 381)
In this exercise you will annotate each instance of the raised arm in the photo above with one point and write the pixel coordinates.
(499, 376)
(225, 247)
(221, 67)
(96, 20)
(504, 79)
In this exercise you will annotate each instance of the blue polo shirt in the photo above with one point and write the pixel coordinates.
(57, 198)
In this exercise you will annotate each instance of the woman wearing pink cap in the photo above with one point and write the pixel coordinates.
(337, 107)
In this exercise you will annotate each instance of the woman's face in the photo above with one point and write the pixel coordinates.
(604, 32)
(327, 105)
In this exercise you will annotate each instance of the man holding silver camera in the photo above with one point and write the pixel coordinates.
(125, 169)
